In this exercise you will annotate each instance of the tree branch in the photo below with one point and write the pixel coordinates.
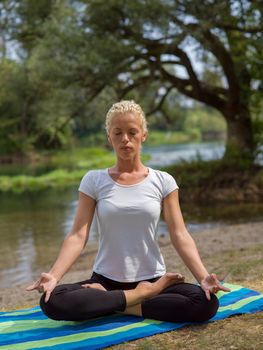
(179, 63)
(205, 95)
(139, 81)
(161, 102)
(212, 42)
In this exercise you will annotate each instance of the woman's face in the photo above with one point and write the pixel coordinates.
(126, 135)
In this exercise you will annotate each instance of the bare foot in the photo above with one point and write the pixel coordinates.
(148, 289)
(93, 285)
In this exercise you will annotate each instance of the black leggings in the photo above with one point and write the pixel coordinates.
(183, 302)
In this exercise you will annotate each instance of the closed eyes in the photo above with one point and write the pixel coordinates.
(130, 132)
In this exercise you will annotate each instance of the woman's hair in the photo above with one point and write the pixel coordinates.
(124, 107)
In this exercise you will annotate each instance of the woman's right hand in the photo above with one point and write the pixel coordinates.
(45, 284)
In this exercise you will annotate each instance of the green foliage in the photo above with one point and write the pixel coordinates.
(258, 136)
(203, 119)
(94, 139)
(157, 138)
(33, 15)
(79, 158)
(16, 96)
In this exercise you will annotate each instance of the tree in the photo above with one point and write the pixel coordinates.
(150, 41)
(74, 53)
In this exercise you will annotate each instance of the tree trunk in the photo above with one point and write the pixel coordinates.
(240, 142)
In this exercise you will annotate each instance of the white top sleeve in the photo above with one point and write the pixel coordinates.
(169, 184)
(87, 185)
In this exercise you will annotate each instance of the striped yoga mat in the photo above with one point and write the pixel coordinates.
(31, 329)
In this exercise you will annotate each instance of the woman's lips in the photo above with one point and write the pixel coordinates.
(126, 148)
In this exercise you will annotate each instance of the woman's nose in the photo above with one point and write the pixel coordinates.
(125, 137)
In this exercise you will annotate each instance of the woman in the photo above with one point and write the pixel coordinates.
(129, 272)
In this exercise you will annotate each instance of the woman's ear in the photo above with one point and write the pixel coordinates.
(144, 137)
(109, 140)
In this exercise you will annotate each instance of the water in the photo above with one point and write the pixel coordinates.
(33, 225)
(171, 154)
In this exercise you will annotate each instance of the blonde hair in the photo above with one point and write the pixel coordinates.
(122, 107)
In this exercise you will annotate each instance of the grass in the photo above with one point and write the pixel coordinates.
(243, 332)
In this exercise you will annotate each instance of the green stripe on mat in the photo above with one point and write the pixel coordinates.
(24, 325)
(76, 337)
(240, 303)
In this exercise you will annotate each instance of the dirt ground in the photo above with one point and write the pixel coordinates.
(216, 242)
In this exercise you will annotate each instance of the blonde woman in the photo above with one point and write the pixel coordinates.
(129, 274)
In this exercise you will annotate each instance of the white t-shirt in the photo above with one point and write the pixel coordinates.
(127, 219)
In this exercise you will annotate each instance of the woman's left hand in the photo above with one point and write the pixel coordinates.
(211, 284)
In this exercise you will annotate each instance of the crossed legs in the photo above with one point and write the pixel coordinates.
(166, 298)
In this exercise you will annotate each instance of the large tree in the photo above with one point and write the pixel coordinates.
(210, 51)
(73, 51)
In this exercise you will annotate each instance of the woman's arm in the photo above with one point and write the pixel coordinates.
(77, 238)
(180, 237)
(185, 245)
(71, 247)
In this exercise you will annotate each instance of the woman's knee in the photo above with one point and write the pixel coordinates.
(214, 305)
(56, 307)
(201, 309)
(50, 309)
(207, 308)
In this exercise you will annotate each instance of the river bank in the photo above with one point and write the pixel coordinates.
(218, 181)
(201, 173)
(233, 250)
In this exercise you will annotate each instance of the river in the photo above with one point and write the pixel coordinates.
(33, 225)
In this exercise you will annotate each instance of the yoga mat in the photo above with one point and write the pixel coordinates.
(31, 329)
